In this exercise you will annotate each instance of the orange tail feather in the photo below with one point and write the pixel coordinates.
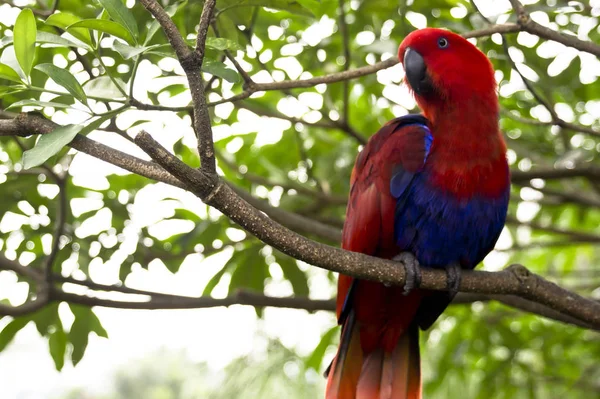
(378, 374)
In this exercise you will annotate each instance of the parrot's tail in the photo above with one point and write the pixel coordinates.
(378, 374)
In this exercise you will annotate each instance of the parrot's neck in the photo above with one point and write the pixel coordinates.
(468, 155)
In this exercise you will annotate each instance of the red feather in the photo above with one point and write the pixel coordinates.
(378, 356)
(375, 354)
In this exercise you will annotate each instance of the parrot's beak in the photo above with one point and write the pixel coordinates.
(416, 72)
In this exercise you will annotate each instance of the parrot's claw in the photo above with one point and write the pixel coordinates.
(453, 271)
(412, 269)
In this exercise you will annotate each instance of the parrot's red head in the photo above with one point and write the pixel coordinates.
(444, 69)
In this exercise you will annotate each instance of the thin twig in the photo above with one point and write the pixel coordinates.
(346, 47)
(205, 18)
(59, 225)
(526, 24)
(230, 57)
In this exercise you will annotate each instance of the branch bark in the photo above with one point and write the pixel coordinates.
(516, 280)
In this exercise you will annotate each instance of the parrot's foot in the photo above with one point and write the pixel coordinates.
(412, 269)
(453, 271)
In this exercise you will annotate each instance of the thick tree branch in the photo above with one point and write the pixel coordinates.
(516, 280)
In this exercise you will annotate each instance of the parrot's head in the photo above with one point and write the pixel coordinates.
(443, 68)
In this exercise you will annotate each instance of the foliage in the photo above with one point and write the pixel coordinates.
(171, 375)
(293, 148)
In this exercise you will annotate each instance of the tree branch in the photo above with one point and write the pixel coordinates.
(181, 48)
(516, 280)
(239, 298)
(247, 79)
(206, 184)
(243, 297)
(205, 18)
(59, 225)
(41, 297)
(590, 172)
(191, 62)
(526, 24)
(346, 47)
(556, 120)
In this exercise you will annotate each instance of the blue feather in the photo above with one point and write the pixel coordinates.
(439, 229)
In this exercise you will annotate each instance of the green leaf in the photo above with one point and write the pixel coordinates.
(64, 78)
(43, 37)
(46, 317)
(128, 52)
(51, 38)
(292, 272)
(49, 145)
(104, 86)
(219, 43)
(44, 104)
(152, 29)
(214, 280)
(8, 90)
(138, 122)
(11, 329)
(24, 38)
(63, 20)
(121, 14)
(316, 357)
(58, 346)
(237, 260)
(173, 89)
(90, 127)
(5, 41)
(219, 69)
(291, 6)
(85, 323)
(105, 26)
(8, 73)
(155, 26)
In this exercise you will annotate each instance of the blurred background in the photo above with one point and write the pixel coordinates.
(291, 149)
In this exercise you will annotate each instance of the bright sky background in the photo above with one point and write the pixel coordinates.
(213, 335)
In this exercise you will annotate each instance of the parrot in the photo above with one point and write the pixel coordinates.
(429, 190)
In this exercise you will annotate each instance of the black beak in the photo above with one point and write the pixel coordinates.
(416, 72)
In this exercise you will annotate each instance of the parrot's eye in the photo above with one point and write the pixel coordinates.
(442, 42)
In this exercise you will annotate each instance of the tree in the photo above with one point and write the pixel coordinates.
(280, 94)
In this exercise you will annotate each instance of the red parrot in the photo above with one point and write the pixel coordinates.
(430, 190)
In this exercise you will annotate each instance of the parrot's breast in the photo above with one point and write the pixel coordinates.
(440, 229)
